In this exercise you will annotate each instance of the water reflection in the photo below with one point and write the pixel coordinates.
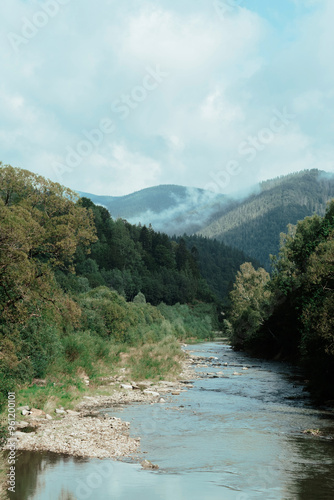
(31, 471)
(314, 469)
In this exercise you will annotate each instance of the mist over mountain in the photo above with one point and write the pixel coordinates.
(171, 209)
(250, 222)
(254, 224)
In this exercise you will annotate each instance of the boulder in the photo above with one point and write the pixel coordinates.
(39, 382)
(19, 434)
(21, 408)
(152, 393)
(22, 425)
(34, 412)
(128, 387)
(146, 464)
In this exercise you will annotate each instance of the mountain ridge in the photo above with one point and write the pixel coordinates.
(252, 223)
(255, 224)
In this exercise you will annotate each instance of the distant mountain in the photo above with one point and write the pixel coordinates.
(169, 208)
(254, 224)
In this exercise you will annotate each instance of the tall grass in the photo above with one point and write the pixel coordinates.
(111, 333)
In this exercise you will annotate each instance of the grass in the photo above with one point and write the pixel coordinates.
(140, 339)
(155, 362)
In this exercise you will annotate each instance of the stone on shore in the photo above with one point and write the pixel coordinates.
(152, 393)
(146, 464)
(34, 412)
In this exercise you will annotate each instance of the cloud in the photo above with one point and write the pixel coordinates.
(226, 74)
(115, 170)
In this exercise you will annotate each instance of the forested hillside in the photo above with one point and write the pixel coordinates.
(156, 199)
(132, 259)
(291, 313)
(218, 263)
(168, 208)
(74, 292)
(254, 225)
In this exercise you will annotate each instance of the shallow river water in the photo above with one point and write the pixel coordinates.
(239, 437)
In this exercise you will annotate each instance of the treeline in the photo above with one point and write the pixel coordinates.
(254, 224)
(218, 263)
(290, 315)
(75, 287)
(132, 259)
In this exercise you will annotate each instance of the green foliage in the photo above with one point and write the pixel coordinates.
(293, 314)
(197, 320)
(65, 314)
(218, 264)
(139, 298)
(250, 304)
(132, 259)
(156, 362)
(254, 224)
(41, 227)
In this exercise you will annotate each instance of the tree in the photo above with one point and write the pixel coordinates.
(250, 303)
(41, 227)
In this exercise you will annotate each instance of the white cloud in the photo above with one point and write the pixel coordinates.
(115, 171)
(226, 75)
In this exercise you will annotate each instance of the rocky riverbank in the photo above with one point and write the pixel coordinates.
(86, 431)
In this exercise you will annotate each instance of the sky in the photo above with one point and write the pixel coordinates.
(110, 97)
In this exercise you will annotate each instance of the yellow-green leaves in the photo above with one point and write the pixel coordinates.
(41, 226)
(250, 302)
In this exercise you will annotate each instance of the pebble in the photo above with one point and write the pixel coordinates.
(146, 464)
(21, 408)
(152, 393)
(22, 424)
(86, 433)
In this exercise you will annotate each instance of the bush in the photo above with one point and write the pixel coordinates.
(40, 343)
(188, 321)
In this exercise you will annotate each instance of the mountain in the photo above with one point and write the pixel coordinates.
(254, 224)
(169, 208)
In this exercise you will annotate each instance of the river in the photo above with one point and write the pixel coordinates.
(239, 437)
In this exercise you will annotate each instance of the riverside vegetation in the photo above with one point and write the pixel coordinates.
(83, 296)
(290, 314)
(80, 292)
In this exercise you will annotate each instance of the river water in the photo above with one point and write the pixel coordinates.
(239, 437)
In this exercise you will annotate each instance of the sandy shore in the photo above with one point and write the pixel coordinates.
(87, 432)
